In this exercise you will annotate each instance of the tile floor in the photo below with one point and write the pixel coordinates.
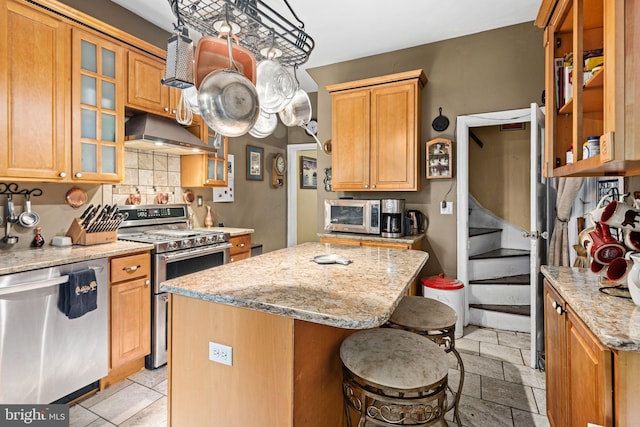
(499, 388)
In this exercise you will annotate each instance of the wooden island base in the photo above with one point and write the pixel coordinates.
(285, 373)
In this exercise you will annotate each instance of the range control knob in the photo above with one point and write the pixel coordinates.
(211, 239)
(201, 240)
(172, 245)
(187, 243)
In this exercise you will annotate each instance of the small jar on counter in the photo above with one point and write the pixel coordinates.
(570, 155)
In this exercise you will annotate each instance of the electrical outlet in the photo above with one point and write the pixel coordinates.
(221, 353)
(446, 208)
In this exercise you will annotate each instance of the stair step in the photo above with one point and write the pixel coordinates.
(477, 231)
(481, 241)
(519, 279)
(499, 319)
(483, 268)
(501, 253)
(499, 294)
(520, 310)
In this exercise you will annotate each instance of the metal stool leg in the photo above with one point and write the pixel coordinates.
(456, 413)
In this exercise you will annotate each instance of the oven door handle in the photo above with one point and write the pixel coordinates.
(192, 253)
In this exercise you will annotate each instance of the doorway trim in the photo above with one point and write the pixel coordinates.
(293, 171)
(463, 125)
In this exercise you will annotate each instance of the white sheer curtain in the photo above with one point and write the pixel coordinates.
(568, 188)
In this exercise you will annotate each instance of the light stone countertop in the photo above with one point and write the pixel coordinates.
(50, 256)
(287, 282)
(375, 237)
(233, 231)
(615, 321)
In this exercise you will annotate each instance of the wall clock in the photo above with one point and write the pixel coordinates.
(278, 168)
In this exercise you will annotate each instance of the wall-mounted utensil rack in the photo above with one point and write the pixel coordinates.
(260, 26)
(11, 188)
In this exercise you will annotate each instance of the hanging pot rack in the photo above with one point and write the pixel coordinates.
(260, 26)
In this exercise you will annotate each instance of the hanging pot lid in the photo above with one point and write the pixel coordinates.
(441, 282)
(440, 123)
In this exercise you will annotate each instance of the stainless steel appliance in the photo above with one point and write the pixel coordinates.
(178, 250)
(417, 222)
(44, 355)
(392, 218)
(353, 216)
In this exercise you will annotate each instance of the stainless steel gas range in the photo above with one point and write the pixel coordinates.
(178, 250)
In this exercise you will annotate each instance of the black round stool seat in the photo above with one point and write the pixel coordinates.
(436, 321)
(393, 377)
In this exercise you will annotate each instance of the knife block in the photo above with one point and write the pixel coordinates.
(79, 235)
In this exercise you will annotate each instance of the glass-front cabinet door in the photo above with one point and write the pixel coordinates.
(97, 108)
(217, 161)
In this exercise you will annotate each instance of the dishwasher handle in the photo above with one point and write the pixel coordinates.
(30, 286)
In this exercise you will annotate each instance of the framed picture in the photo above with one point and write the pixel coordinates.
(308, 172)
(254, 163)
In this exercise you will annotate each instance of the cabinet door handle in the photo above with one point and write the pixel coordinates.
(78, 175)
(373, 186)
(240, 245)
(166, 109)
(147, 282)
(133, 268)
(558, 308)
(366, 186)
(62, 174)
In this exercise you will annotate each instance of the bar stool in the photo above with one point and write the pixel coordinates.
(393, 377)
(435, 320)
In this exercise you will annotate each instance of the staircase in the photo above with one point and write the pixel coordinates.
(499, 281)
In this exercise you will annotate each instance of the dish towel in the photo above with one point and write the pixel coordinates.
(79, 295)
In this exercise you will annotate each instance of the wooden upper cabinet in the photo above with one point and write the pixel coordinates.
(350, 119)
(34, 94)
(376, 133)
(97, 108)
(144, 88)
(206, 170)
(605, 102)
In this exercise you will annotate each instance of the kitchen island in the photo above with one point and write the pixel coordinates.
(284, 317)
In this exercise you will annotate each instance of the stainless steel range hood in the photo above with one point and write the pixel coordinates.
(160, 134)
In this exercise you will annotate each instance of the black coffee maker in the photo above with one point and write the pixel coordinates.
(392, 218)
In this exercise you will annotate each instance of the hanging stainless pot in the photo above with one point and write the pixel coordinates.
(27, 218)
(275, 86)
(265, 125)
(298, 111)
(228, 101)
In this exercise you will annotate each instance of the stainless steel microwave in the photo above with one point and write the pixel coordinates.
(353, 216)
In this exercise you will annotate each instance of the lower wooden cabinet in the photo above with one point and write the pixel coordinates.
(579, 369)
(241, 248)
(130, 315)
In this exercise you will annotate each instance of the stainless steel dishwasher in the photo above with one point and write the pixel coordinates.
(45, 356)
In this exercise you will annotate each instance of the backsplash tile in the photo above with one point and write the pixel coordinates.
(146, 173)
